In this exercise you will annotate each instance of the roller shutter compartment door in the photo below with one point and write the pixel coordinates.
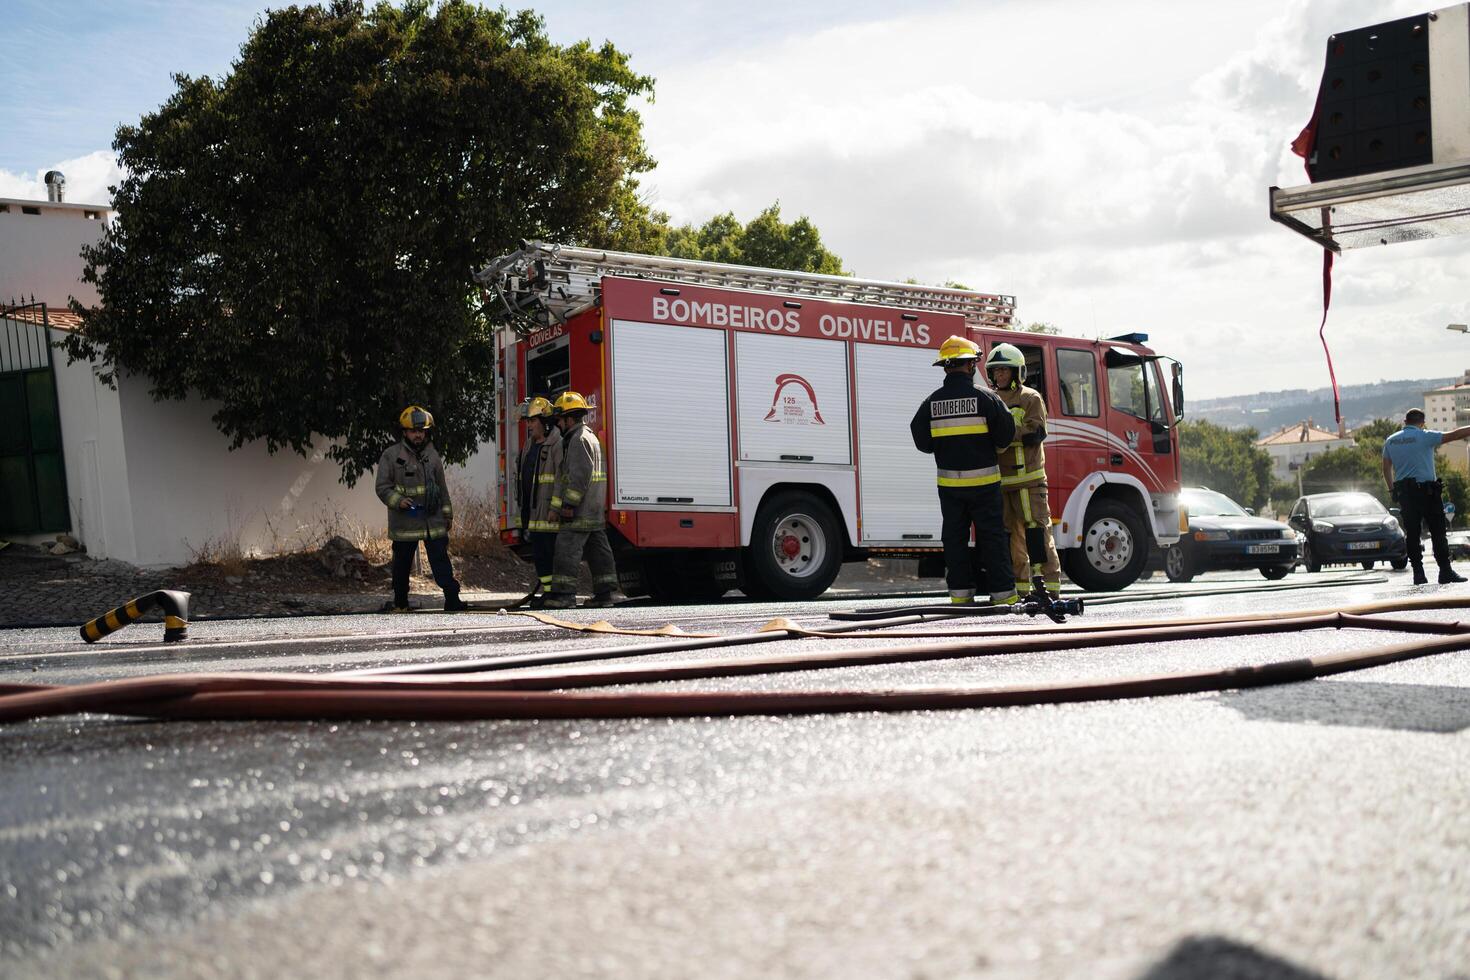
(900, 501)
(671, 416)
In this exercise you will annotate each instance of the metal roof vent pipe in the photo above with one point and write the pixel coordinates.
(55, 186)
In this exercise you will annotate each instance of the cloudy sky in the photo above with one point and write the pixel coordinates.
(1105, 163)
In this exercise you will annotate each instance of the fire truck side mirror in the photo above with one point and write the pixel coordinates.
(1178, 391)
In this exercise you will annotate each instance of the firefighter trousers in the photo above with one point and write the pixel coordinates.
(438, 551)
(571, 547)
(1422, 506)
(980, 509)
(1033, 551)
(543, 554)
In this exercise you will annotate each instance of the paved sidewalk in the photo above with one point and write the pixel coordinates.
(37, 589)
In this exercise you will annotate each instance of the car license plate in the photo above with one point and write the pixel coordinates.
(1263, 549)
(1362, 545)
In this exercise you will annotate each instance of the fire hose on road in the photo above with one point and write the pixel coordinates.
(488, 691)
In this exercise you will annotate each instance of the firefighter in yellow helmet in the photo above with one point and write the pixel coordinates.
(579, 506)
(410, 481)
(1023, 475)
(539, 464)
(963, 425)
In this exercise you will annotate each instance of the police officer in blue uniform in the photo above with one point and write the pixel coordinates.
(1408, 469)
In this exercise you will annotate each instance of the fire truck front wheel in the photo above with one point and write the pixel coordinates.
(795, 547)
(1113, 551)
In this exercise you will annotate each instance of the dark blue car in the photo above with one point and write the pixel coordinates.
(1350, 527)
(1222, 534)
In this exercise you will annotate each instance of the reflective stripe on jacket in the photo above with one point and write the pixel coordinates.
(963, 426)
(544, 483)
(417, 474)
(1023, 462)
(581, 481)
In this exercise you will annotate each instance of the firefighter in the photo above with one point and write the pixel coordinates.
(1023, 474)
(411, 483)
(578, 504)
(963, 426)
(537, 515)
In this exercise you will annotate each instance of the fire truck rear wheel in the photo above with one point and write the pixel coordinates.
(1113, 551)
(795, 547)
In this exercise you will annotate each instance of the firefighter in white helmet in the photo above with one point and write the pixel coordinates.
(539, 464)
(1023, 474)
(579, 506)
(410, 481)
(963, 426)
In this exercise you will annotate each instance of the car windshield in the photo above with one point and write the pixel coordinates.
(1208, 503)
(1347, 505)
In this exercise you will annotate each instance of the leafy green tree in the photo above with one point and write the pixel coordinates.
(765, 241)
(295, 240)
(1226, 460)
(1372, 435)
(1346, 468)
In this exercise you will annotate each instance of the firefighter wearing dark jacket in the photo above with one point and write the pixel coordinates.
(579, 505)
(542, 530)
(963, 426)
(1023, 474)
(411, 483)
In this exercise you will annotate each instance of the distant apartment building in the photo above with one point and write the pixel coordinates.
(1290, 447)
(1449, 408)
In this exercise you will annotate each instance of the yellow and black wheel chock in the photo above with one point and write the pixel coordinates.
(175, 606)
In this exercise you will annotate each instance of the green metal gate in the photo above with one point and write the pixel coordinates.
(32, 470)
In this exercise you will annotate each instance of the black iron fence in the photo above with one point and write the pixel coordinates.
(33, 497)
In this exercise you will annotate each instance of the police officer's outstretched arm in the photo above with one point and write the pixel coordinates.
(919, 427)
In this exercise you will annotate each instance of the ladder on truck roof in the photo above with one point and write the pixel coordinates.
(548, 284)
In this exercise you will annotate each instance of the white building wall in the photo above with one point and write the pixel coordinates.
(189, 492)
(96, 459)
(40, 254)
(1284, 455)
(154, 483)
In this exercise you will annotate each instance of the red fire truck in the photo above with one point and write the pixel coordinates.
(756, 421)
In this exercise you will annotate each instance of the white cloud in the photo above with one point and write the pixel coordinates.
(87, 179)
(1107, 164)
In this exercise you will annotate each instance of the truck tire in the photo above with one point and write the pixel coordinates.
(1177, 564)
(795, 547)
(1113, 551)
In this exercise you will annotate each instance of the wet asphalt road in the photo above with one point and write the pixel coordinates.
(1318, 829)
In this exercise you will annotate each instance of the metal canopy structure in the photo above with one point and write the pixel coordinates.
(548, 284)
(1414, 204)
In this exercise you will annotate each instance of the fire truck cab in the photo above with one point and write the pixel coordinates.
(756, 422)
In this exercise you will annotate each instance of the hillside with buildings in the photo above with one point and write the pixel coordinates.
(1269, 411)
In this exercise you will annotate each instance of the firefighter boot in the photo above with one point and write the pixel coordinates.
(1419, 577)
(453, 603)
(560, 600)
(604, 599)
(1448, 575)
(1039, 589)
